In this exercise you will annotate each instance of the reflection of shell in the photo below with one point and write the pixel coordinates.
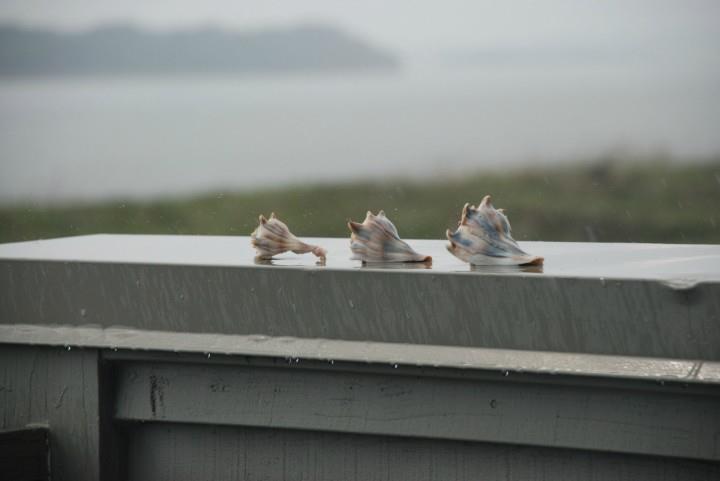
(483, 238)
(377, 240)
(272, 237)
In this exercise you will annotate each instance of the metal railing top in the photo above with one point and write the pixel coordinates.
(680, 266)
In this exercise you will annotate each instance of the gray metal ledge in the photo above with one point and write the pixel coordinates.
(646, 300)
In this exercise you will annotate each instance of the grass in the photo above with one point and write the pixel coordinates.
(606, 202)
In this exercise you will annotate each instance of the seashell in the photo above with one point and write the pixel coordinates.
(483, 238)
(377, 240)
(272, 237)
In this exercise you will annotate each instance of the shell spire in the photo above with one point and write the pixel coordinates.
(272, 237)
(377, 240)
(483, 237)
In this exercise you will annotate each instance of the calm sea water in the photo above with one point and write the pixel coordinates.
(94, 138)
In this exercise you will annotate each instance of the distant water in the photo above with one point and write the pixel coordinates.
(94, 138)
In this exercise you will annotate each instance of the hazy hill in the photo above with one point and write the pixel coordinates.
(129, 50)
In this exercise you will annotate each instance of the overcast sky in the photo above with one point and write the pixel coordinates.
(410, 26)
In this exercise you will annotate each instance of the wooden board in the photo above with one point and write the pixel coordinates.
(559, 416)
(172, 452)
(58, 388)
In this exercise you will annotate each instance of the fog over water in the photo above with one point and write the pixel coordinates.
(482, 85)
(92, 138)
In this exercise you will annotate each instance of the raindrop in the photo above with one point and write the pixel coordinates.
(208, 355)
(332, 362)
(297, 360)
(69, 348)
(182, 297)
(137, 282)
(395, 366)
(590, 232)
(506, 373)
(350, 302)
(603, 282)
(83, 312)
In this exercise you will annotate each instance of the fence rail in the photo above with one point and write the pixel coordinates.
(154, 357)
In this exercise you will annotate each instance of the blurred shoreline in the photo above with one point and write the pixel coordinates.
(608, 200)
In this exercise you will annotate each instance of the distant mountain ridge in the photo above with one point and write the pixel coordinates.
(124, 49)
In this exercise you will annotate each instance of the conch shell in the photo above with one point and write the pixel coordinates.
(377, 240)
(483, 238)
(272, 237)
